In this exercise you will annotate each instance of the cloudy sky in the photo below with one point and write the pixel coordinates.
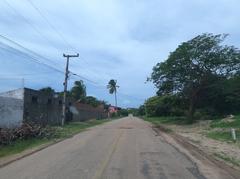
(119, 39)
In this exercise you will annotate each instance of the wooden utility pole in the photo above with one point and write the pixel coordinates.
(65, 86)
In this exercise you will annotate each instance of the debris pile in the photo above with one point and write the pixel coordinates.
(26, 131)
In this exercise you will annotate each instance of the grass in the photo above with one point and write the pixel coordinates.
(225, 134)
(228, 159)
(59, 133)
(21, 145)
(166, 120)
(157, 121)
(222, 124)
(75, 127)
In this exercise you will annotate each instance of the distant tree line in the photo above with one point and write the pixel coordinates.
(200, 79)
(78, 93)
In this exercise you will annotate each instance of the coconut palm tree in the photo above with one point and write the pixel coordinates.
(112, 86)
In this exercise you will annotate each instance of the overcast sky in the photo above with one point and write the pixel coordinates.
(119, 39)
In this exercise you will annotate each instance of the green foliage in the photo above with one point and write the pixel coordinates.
(166, 120)
(75, 127)
(222, 135)
(66, 131)
(105, 105)
(222, 124)
(112, 86)
(231, 160)
(195, 68)
(141, 110)
(92, 101)
(163, 106)
(115, 115)
(78, 91)
(123, 112)
(21, 145)
(47, 90)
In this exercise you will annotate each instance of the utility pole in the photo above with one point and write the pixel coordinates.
(65, 86)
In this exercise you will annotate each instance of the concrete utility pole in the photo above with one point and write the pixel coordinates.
(65, 86)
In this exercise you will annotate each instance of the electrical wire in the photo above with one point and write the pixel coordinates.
(28, 22)
(26, 49)
(51, 25)
(62, 37)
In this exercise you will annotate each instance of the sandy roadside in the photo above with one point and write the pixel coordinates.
(201, 150)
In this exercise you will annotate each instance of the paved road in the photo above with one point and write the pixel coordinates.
(122, 149)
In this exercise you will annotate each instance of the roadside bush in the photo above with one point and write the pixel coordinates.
(141, 111)
(115, 114)
(164, 106)
(123, 112)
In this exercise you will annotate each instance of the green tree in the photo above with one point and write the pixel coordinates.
(123, 112)
(91, 100)
(164, 105)
(141, 110)
(47, 90)
(222, 97)
(194, 66)
(78, 91)
(112, 86)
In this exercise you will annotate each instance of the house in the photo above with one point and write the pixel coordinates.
(43, 108)
(113, 109)
(32, 106)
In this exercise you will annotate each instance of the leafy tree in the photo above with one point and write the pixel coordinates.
(133, 111)
(112, 86)
(164, 105)
(78, 91)
(47, 90)
(105, 104)
(91, 100)
(194, 66)
(123, 112)
(223, 97)
(141, 110)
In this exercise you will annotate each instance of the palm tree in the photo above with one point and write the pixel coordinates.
(112, 86)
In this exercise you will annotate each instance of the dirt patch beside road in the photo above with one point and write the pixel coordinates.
(196, 134)
(203, 159)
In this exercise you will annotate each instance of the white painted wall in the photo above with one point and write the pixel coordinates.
(11, 112)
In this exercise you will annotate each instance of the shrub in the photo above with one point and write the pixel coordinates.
(164, 106)
(123, 112)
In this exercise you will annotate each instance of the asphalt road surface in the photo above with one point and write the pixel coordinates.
(122, 149)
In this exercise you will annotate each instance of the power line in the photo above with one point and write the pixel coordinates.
(50, 24)
(28, 22)
(33, 58)
(17, 51)
(26, 49)
(54, 28)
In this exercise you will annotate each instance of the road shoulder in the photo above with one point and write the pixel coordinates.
(208, 165)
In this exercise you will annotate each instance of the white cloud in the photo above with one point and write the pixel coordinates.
(118, 39)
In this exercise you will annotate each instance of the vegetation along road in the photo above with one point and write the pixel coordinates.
(124, 148)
